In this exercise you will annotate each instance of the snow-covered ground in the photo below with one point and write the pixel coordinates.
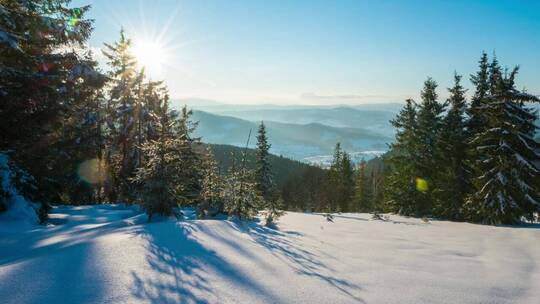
(109, 254)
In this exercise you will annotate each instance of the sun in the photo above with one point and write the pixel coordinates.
(151, 56)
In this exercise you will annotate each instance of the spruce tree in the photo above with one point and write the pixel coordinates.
(476, 120)
(162, 172)
(400, 194)
(346, 187)
(211, 197)
(507, 174)
(452, 179)
(334, 181)
(428, 127)
(42, 71)
(263, 172)
(122, 152)
(39, 47)
(191, 157)
(363, 189)
(495, 76)
(240, 195)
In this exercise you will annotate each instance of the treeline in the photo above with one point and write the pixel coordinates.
(476, 161)
(343, 187)
(87, 136)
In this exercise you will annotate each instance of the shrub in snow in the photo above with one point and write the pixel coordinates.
(211, 194)
(273, 212)
(13, 182)
(159, 176)
(240, 195)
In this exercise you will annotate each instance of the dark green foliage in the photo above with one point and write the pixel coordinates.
(191, 157)
(263, 171)
(283, 169)
(340, 186)
(507, 174)
(347, 183)
(363, 200)
(480, 80)
(273, 209)
(160, 175)
(428, 127)
(211, 195)
(484, 169)
(336, 189)
(240, 195)
(452, 178)
(45, 76)
(400, 190)
(415, 162)
(306, 190)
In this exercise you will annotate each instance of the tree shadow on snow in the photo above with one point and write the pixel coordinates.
(301, 260)
(183, 265)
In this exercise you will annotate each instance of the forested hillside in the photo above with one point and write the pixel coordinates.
(283, 168)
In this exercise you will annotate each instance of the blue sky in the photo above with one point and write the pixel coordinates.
(320, 52)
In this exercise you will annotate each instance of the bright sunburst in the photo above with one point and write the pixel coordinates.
(151, 56)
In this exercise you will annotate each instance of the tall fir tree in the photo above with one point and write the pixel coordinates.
(363, 189)
(191, 156)
(43, 68)
(400, 194)
(333, 186)
(211, 197)
(346, 187)
(240, 195)
(507, 174)
(495, 76)
(263, 172)
(160, 177)
(480, 80)
(428, 127)
(453, 177)
(122, 152)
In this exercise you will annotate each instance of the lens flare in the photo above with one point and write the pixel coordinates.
(92, 171)
(421, 184)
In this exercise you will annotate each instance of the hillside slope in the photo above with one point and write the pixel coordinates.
(109, 254)
(295, 141)
(282, 168)
(377, 121)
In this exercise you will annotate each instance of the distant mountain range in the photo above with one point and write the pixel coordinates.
(296, 141)
(213, 106)
(376, 121)
(301, 132)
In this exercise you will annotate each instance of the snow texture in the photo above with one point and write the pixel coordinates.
(19, 209)
(109, 254)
